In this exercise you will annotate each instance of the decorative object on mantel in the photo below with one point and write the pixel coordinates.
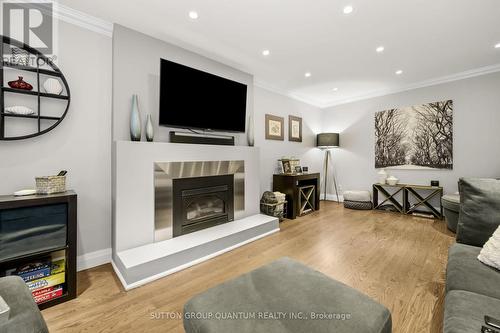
(294, 129)
(51, 184)
(327, 141)
(149, 129)
(275, 128)
(298, 169)
(305, 169)
(250, 131)
(382, 176)
(392, 181)
(20, 62)
(434, 182)
(135, 120)
(53, 86)
(20, 84)
(20, 57)
(418, 137)
(19, 110)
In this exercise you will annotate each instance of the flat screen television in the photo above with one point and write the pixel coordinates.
(190, 98)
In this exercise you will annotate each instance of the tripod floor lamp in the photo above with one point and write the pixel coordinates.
(327, 141)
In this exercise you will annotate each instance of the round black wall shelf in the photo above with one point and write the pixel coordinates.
(50, 69)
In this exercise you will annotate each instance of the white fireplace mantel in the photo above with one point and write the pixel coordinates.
(134, 212)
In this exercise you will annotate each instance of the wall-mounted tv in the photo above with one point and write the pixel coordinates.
(190, 98)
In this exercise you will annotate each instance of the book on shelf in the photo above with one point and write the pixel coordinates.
(33, 270)
(47, 294)
(48, 281)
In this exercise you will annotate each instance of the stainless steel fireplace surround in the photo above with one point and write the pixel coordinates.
(165, 172)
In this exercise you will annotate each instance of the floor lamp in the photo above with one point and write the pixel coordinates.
(327, 141)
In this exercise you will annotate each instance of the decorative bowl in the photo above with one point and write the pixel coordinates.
(392, 180)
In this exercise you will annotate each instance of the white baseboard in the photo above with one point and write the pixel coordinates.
(129, 286)
(93, 259)
(332, 197)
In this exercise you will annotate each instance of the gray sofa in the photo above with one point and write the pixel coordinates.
(473, 288)
(24, 314)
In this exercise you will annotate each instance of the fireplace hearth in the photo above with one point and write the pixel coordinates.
(202, 202)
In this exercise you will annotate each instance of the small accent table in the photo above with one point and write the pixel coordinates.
(301, 190)
(410, 199)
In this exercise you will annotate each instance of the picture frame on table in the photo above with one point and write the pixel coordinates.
(287, 167)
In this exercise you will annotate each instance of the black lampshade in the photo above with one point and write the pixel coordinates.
(328, 140)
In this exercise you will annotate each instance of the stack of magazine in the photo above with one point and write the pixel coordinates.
(44, 277)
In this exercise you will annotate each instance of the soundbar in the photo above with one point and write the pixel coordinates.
(201, 139)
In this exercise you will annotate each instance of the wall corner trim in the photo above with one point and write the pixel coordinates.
(83, 20)
(93, 259)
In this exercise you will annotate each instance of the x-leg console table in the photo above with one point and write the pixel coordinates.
(408, 199)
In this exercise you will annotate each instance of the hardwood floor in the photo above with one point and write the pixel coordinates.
(398, 260)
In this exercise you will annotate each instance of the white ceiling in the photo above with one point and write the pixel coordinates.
(430, 40)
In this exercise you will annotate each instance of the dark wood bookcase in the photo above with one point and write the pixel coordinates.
(69, 198)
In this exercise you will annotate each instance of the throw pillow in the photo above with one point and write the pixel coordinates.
(490, 254)
(480, 210)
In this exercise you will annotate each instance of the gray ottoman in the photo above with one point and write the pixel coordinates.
(451, 208)
(24, 314)
(358, 200)
(284, 296)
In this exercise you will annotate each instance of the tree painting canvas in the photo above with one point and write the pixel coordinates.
(417, 137)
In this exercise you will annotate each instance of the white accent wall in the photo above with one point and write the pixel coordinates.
(136, 70)
(476, 118)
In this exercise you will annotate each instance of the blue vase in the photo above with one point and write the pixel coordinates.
(135, 120)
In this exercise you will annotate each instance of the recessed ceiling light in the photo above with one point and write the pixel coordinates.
(307, 74)
(399, 72)
(380, 49)
(335, 89)
(266, 52)
(497, 46)
(193, 15)
(348, 9)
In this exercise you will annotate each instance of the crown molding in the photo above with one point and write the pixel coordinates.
(83, 20)
(383, 92)
(422, 84)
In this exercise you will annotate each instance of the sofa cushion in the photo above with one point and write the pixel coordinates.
(490, 254)
(479, 211)
(464, 311)
(283, 289)
(466, 272)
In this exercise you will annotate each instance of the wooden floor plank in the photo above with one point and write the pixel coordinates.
(397, 260)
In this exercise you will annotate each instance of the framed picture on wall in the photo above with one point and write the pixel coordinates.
(275, 128)
(294, 129)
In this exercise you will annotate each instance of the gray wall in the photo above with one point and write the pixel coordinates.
(271, 150)
(136, 70)
(476, 133)
(81, 144)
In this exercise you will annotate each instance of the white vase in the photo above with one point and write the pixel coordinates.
(382, 176)
(149, 129)
(250, 132)
(53, 86)
(135, 120)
